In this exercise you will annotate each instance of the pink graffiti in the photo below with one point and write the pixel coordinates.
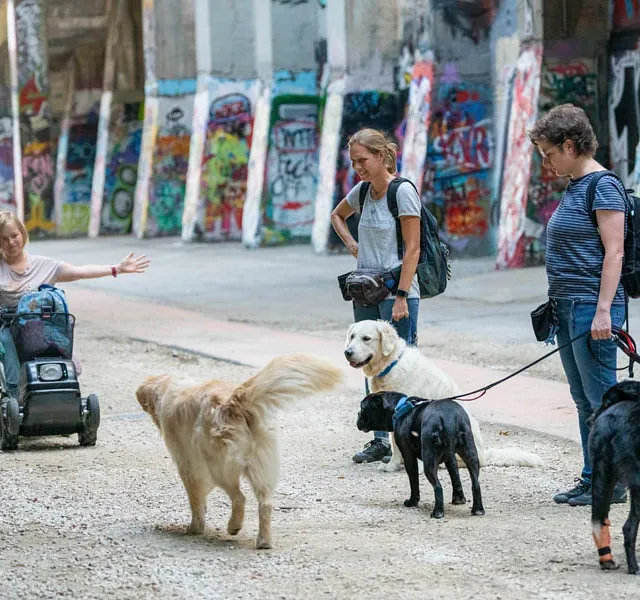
(38, 170)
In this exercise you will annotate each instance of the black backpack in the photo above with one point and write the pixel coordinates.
(630, 277)
(433, 268)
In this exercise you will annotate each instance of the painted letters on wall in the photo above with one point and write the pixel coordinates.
(225, 162)
(457, 184)
(170, 162)
(523, 108)
(122, 168)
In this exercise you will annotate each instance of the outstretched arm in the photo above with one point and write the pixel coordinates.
(129, 264)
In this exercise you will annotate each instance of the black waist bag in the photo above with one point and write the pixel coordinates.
(545, 321)
(366, 287)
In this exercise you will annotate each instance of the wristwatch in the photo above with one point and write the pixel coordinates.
(402, 293)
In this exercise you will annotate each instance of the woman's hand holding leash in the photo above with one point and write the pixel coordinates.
(601, 325)
(400, 309)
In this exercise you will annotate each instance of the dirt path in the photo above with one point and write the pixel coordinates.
(108, 522)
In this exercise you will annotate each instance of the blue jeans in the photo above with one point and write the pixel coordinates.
(588, 379)
(10, 361)
(407, 329)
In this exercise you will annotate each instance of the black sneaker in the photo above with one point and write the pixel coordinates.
(586, 499)
(374, 450)
(581, 488)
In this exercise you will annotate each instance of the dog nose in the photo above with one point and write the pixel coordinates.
(348, 353)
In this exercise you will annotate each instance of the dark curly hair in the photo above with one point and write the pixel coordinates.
(566, 122)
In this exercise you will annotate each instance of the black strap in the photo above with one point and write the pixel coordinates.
(604, 550)
(364, 188)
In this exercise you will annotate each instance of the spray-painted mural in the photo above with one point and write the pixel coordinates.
(37, 147)
(170, 162)
(381, 110)
(624, 113)
(292, 159)
(563, 81)
(225, 163)
(122, 167)
(523, 109)
(80, 159)
(471, 19)
(7, 196)
(626, 14)
(457, 185)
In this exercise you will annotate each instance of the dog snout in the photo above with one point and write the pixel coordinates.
(348, 353)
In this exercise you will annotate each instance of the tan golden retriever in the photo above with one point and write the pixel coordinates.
(216, 432)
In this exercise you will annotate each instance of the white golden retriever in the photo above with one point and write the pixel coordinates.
(376, 348)
(217, 432)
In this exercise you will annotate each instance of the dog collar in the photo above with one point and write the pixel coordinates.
(404, 407)
(389, 367)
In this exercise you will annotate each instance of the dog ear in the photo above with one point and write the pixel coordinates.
(348, 337)
(388, 338)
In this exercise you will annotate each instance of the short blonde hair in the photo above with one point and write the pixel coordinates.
(9, 218)
(376, 142)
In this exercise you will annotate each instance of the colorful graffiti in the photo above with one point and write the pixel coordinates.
(457, 185)
(7, 195)
(626, 14)
(523, 108)
(225, 163)
(624, 113)
(292, 169)
(381, 110)
(122, 168)
(469, 18)
(38, 175)
(170, 164)
(574, 81)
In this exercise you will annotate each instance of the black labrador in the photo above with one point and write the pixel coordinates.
(614, 447)
(432, 431)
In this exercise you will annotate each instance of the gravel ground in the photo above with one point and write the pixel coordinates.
(109, 521)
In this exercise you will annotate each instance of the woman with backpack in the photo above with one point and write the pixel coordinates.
(583, 263)
(21, 273)
(374, 158)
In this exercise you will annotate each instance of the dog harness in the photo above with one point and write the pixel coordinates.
(404, 407)
(389, 367)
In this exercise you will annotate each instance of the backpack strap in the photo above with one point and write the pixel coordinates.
(364, 188)
(392, 203)
(591, 191)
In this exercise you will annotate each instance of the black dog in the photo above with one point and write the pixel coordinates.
(614, 447)
(432, 431)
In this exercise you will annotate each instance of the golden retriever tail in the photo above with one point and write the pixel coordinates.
(287, 378)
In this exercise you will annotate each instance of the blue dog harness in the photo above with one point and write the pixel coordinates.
(389, 367)
(404, 407)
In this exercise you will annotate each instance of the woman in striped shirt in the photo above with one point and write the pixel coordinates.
(583, 264)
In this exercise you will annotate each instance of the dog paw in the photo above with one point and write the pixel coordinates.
(477, 512)
(437, 514)
(234, 528)
(390, 467)
(262, 544)
(411, 502)
(457, 500)
(609, 565)
(195, 529)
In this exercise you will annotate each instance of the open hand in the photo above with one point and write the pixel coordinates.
(133, 264)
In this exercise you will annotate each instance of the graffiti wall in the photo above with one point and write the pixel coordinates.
(626, 14)
(80, 159)
(225, 162)
(121, 176)
(7, 197)
(457, 186)
(524, 92)
(170, 161)
(624, 113)
(37, 146)
(292, 159)
(562, 81)
(470, 19)
(381, 110)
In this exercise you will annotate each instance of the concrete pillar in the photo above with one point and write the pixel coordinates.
(170, 85)
(362, 42)
(231, 118)
(36, 139)
(12, 194)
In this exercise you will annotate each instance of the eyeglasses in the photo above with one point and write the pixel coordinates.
(546, 155)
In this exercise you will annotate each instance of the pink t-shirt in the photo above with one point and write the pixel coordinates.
(40, 269)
